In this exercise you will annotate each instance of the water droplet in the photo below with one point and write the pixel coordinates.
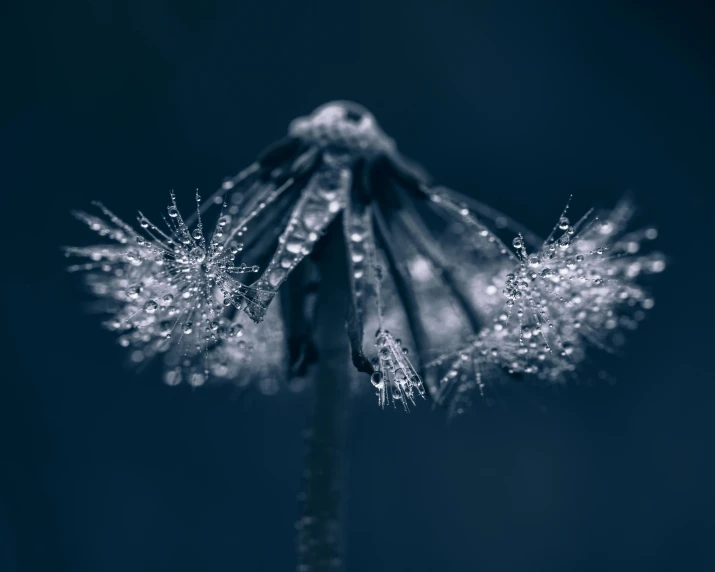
(294, 246)
(198, 254)
(133, 292)
(150, 306)
(173, 211)
(376, 379)
(657, 265)
(172, 377)
(275, 277)
(563, 223)
(287, 260)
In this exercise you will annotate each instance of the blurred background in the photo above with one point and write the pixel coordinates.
(517, 103)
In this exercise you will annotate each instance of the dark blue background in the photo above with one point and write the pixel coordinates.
(517, 103)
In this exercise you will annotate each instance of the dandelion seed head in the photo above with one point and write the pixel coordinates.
(580, 288)
(172, 290)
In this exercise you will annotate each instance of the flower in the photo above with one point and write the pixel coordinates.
(422, 260)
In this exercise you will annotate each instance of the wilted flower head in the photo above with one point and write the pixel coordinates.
(427, 271)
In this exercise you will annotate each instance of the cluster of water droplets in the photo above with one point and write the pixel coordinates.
(579, 289)
(323, 198)
(394, 378)
(172, 290)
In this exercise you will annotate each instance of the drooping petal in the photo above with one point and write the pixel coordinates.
(324, 196)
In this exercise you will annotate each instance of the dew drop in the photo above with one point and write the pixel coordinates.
(133, 292)
(198, 254)
(276, 277)
(294, 246)
(172, 377)
(376, 379)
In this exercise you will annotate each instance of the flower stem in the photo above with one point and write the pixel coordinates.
(320, 541)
